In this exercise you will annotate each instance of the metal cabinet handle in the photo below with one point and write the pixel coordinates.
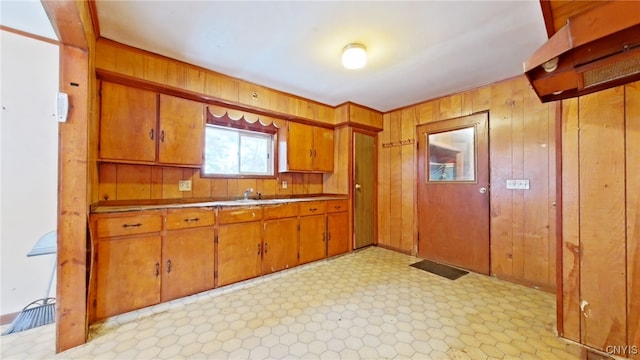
(313, 209)
(151, 133)
(157, 272)
(162, 135)
(265, 247)
(337, 207)
(191, 220)
(131, 225)
(329, 236)
(259, 249)
(169, 266)
(323, 236)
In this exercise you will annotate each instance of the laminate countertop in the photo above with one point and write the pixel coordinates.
(122, 206)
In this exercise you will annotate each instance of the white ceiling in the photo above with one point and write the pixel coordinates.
(418, 50)
(27, 16)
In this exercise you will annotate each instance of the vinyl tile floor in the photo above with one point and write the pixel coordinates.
(366, 305)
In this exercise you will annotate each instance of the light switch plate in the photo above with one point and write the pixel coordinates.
(517, 184)
(184, 185)
(284, 184)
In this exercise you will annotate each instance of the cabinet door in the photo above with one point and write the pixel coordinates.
(338, 233)
(187, 262)
(127, 123)
(239, 252)
(299, 147)
(312, 238)
(128, 274)
(280, 245)
(322, 149)
(181, 137)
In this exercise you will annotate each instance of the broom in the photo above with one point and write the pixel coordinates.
(38, 313)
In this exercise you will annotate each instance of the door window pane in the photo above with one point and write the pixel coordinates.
(452, 155)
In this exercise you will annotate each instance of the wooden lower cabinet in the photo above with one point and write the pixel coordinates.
(128, 274)
(239, 252)
(312, 238)
(280, 245)
(147, 257)
(187, 262)
(338, 240)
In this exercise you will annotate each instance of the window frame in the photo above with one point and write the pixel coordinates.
(273, 159)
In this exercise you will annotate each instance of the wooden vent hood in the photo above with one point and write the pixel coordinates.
(596, 50)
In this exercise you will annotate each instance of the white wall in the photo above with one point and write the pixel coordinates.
(28, 166)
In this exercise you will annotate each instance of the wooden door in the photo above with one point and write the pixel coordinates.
(323, 149)
(312, 238)
(364, 193)
(180, 119)
(239, 252)
(280, 247)
(338, 241)
(453, 197)
(127, 123)
(187, 262)
(127, 274)
(299, 147)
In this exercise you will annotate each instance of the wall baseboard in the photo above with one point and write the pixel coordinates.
(8, 318)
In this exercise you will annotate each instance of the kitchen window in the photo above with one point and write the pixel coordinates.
(235, 152)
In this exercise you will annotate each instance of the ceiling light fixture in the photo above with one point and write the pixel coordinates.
(354, 56)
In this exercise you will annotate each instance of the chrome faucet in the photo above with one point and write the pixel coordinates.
(247, 193)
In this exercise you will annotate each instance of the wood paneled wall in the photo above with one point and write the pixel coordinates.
(601, 218)
(521, 140)
(147, 182)
(135, 63)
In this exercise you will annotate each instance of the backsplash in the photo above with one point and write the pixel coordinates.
(146, 182)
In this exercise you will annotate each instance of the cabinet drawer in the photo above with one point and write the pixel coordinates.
(280, 211)
(128, 225)
(337, 206)
(236, 215)
(312, 207)
(189, 218)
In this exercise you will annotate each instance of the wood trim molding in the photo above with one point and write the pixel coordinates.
(558, 234)
(66, 22)
(29, 35)
(547, 15)
(76, 74)
(93, 11)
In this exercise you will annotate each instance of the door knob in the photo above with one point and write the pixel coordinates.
(358, 186)
(482, 190)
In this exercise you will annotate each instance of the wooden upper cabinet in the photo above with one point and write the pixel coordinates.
(299, 147)
(127, 123)
(323, 149)
(181, 131)
(305, 148)
(135, 122)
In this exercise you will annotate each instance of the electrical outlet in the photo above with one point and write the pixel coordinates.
(184, 185)
(517, 184)
(284, 184)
